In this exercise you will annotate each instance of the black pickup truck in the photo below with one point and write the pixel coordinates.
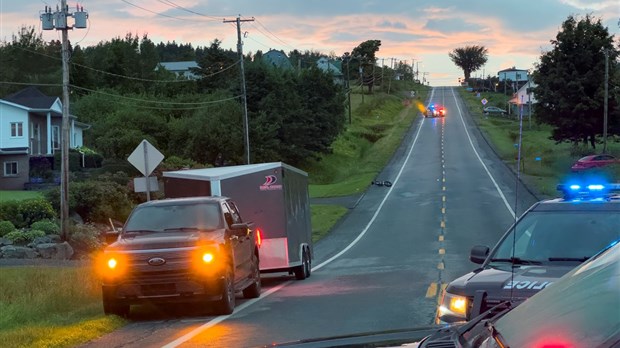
(181, 250)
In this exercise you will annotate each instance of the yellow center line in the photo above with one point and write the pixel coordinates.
(432, 290)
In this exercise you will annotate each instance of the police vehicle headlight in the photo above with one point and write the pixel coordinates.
(453, 307)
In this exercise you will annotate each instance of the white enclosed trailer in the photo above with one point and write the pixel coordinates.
(274, 196)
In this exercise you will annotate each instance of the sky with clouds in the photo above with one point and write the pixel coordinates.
(515, 32)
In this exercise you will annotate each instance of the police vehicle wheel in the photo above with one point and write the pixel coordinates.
(253, 291)
(226, 305)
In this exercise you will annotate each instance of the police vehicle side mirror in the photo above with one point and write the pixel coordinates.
(479, 253)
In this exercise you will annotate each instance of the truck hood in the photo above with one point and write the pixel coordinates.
(501, 284)
(166, 240)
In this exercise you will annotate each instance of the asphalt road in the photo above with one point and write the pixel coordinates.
(384, 265)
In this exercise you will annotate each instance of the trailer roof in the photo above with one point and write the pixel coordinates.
(221, 173)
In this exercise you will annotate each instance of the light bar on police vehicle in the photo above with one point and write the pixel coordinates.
(594, 190)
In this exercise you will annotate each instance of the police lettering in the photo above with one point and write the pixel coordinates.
(524, 284)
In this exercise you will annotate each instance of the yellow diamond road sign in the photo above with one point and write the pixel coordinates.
(145, 158)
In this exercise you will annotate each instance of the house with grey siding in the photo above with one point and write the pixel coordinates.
(30, 126)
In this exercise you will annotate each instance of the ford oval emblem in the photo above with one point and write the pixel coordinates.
(156, 261)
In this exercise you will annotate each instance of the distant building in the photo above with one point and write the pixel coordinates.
(513, 74)
(277, 59)
(524, 96)
(333, 67)
(181, 68)
(30, 127)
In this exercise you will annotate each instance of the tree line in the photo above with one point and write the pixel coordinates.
(117, 88)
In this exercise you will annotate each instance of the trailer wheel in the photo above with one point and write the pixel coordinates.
(301, 272)
(308, 264)
(226, 305)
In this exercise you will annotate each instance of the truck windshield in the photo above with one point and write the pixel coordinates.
(182, 217)
(559, 237)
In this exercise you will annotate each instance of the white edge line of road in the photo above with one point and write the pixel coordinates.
(480, 159)
(221, 318)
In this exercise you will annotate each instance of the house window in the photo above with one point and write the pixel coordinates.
(56, 137)
(17, 129)
(10, 168)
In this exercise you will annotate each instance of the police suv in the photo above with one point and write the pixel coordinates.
(547, 241)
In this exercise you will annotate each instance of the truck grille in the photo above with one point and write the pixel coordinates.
(177, 266)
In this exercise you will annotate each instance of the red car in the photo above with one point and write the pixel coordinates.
(594, 161)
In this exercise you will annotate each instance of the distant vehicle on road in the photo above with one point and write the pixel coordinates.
(548, 240)
(434, 110)
(494, 110)
(594, 161)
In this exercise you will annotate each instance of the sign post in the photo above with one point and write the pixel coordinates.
(146, 158)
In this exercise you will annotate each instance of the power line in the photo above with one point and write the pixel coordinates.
(157, 13)
(174, 5)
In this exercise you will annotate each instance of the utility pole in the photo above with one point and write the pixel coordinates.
(245, 100)
(605, 101)
(58, 20)
(382, 68)
(391, 75)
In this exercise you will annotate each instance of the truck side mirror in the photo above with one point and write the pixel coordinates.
(240, 229)
(111, 236)
(479, 253)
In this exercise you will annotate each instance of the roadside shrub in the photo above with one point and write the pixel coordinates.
(20, 237)
(24, 213)
(96, 200)
(85, 238)
(6, 227)
(47, 226)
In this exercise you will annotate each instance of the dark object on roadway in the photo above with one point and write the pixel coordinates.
(493, 110)
(582, 309)
(382, 183)
(181, 250)
(594, 161)
(550, 239)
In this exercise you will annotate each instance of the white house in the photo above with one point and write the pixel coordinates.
(331, 67)
(30, 126)
(181, 68)
(524, 97)
(513, 74)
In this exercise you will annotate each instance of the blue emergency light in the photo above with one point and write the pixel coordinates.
(587, 191)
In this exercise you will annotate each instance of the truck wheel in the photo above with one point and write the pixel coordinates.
(253, 291)
(301, 272)
(112, 307)
(226, 305)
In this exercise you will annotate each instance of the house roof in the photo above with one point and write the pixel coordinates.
(329, 66)
(32, 98)
(511, 69)
(179, 66)
(277, 59)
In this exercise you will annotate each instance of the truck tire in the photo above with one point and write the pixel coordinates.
(301, 272)
(226, 305)
(113, 307)
(253, 291)
(308, 264)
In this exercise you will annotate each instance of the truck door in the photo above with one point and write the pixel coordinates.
(241, 246)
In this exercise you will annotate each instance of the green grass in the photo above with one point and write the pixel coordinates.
(6, 195)
(51, 307)
(324, 217)
(554, 161)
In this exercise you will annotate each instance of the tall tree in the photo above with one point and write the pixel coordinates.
(570, 87)
(469, 58)
(365, 53)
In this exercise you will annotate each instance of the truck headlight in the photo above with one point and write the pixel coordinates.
(453, 307)
(112, 263)
(207, 257)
